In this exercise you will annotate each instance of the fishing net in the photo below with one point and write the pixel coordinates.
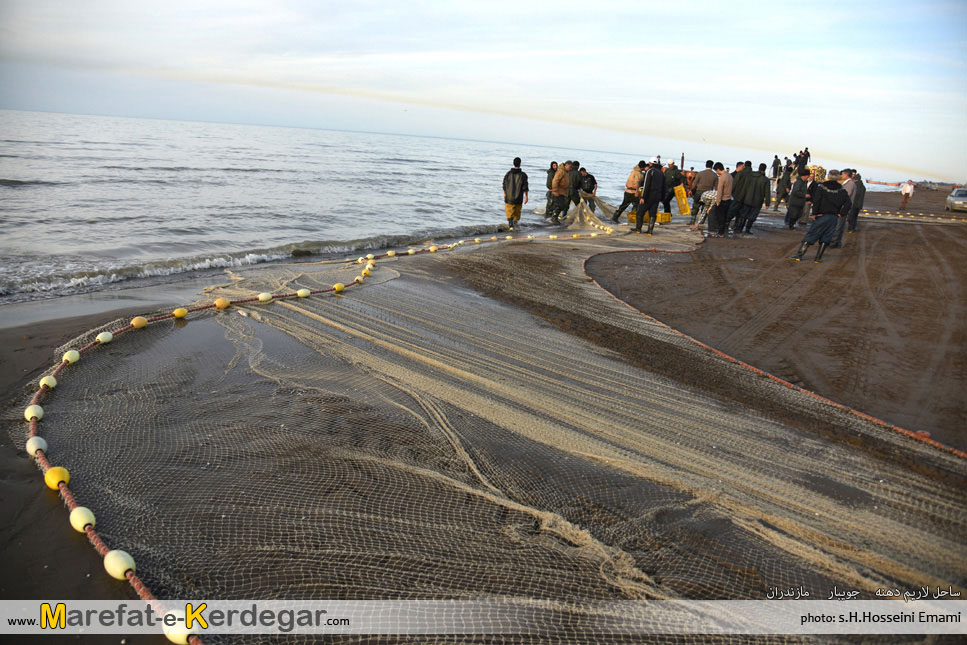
(413, 438)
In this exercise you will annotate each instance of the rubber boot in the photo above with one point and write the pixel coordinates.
(801, 252)
(819, 252)
(510, 224)
(739, 224)
(651, 225)
(748, 227)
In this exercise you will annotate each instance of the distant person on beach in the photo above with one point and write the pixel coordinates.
(830, 203)
(559, 189)
(758, 194)
(673, 177)
(723, 200)
(704, 181)
(589, 185)
(776, 164)
(906, 193)
(551, 171)
(782, 186)
(652, 192)
(846, 179)
(515, 194)
(858, 198)
(797, 199)
(807, 155)
(632, 189)
(574, 184)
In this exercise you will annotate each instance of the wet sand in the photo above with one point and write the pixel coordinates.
(878, 326)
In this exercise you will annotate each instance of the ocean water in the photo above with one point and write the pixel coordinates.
(90, 202)
(93, 202)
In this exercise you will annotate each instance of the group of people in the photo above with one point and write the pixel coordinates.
(647, 186)
(731, 200)
(835, 204)
(564, 185)
(734, 198)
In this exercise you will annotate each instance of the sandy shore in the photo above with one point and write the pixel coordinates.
(907, 369)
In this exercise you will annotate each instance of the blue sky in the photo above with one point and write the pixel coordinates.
(874, 84)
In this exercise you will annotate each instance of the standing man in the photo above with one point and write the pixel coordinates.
(632, 189)
(723, 200)
(858, 197)
(797, 199)
(758, 193)
(906, 193)
(574, 190)
(740, 179)
(589, 185)
(551, 171)
(807, 154)
(705, 180)
(559, 189)
(776, 164)
(673, 177)
(652, 192)
(846, 177)
(830, 202)
(782, 187)
(515, 193)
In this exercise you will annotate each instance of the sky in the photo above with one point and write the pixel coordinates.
(879, 84)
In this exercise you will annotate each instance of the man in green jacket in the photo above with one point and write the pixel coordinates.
(740, 179)
(782, 187)
(756, 194)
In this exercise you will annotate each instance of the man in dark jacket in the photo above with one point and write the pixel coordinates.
(574, 179)
(782, 186)
(858, 198)
(550, 197)
(797, 199)
(830, 202)
(740, 183)
(776, 164)
(589, 185)
(673, 177)
(704, 181)
(652, 191)
(515, 193)
(757, 193)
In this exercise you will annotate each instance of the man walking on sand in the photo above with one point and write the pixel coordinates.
(632, 189)
(858, 199)
(906, 193)
(830, 203)
(515, 194)
(652, 192)
(723, 200)
(797, 199)
(847, 178)
(704, 181)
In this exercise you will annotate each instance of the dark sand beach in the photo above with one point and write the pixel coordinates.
(877, 327)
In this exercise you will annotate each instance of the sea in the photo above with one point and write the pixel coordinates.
(91, 203)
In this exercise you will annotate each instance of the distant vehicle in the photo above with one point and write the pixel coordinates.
(956, 200)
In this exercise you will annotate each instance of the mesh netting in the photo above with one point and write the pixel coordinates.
(414, 439)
